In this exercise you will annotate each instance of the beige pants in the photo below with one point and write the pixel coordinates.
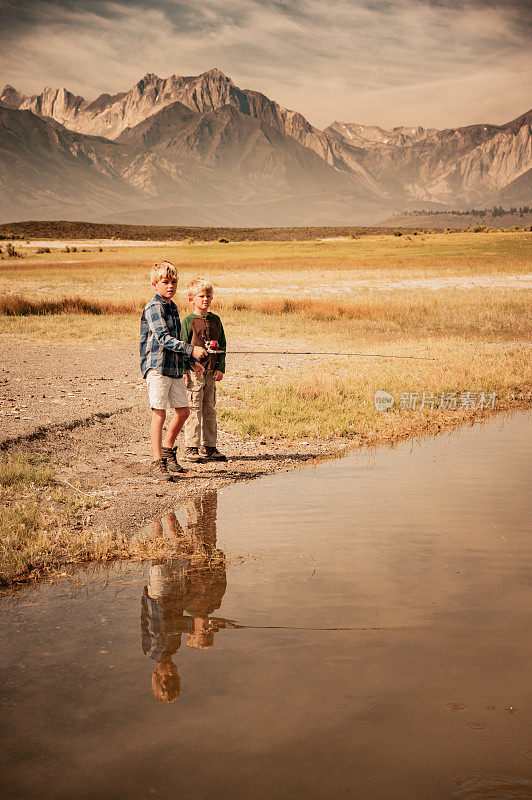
(201, 427)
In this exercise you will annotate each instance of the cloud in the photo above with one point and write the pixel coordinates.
(440, 63)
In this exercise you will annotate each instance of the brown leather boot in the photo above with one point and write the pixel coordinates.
(169, 455)
(212, 454)
(160, 471)
(192, 454)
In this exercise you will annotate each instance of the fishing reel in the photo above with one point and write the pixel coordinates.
(212, 347)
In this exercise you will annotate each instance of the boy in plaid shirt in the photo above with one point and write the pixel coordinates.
(163, 358)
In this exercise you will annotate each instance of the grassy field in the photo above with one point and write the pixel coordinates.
(427, 295)
(293, 269)
(482, 314)
(379, 294)
(339, 402)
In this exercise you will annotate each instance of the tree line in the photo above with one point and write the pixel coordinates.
(496, 211)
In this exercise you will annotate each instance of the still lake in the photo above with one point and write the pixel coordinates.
(359, 629)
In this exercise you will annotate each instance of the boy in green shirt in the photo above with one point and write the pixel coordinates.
(202, 328)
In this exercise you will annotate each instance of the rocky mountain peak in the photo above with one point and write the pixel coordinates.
(10, 97)
(109, 115)
(149, 79)
(217, 73)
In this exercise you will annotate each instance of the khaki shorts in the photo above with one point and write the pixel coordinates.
(165, 580)
(165, 392)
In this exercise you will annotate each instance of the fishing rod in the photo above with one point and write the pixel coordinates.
(312, 353)
(221, 623)
(296, 628)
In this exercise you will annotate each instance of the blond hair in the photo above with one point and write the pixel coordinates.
(166, 690)
(163, 269)
(199, 285)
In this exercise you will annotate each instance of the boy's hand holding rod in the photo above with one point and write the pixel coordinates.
(198, 352)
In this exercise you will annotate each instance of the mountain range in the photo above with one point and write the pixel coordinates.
(199, 150)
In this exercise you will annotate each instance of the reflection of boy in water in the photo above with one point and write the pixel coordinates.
(163, 623)
(201, 520)
(194, 583)
(206, 588)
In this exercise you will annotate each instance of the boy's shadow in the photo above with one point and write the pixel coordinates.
(182, 592)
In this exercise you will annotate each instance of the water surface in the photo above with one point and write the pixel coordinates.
(361, 629)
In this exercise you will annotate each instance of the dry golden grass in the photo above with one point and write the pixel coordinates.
(336, 396)
(104, 329)
(477, 313)
(43, 525)
(487, 314)
(29, 550)
(20, 306)
(17, 469)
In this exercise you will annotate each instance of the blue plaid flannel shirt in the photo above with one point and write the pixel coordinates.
(161, 348)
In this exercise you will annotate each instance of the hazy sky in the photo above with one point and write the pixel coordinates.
(439, 63)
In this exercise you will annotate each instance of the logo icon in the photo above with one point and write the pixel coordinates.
(383, 400)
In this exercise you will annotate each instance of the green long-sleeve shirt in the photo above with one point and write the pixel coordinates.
(197, 329)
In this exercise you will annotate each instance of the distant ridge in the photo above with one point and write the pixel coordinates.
(62, 229)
